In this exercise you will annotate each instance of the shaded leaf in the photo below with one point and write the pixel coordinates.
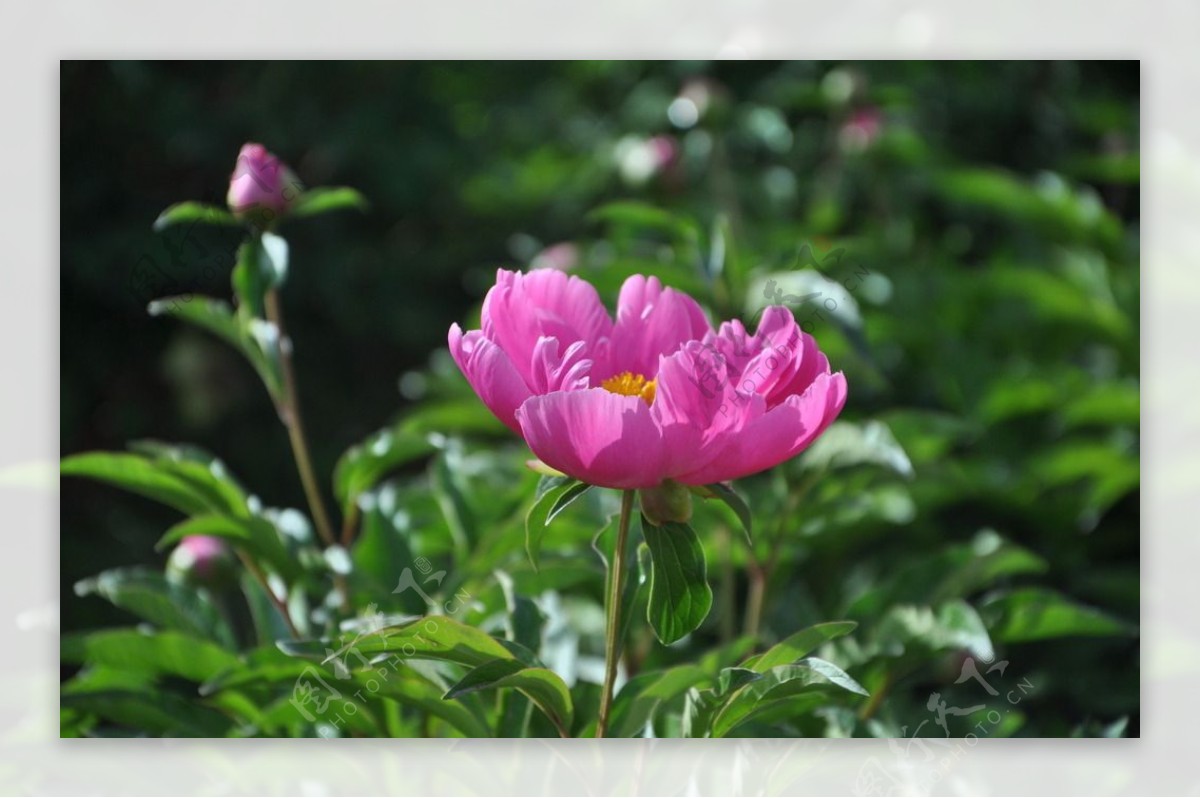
(680, 597)
(150, 596)
(193, 213)
(543, 687)
(1039, 614)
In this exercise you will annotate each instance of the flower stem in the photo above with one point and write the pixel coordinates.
(279, 603)
(612, 613)
(289, 412)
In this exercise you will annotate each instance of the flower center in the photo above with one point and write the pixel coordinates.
(630, 384)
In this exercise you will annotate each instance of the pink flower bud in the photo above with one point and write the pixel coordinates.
(261, 187)
(202, 560)
(861, 130)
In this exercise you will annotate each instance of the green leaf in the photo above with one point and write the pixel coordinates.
(218, 317)
(320, 200)
(799, 645)
(363, 465)
(380, 550)
(908, 630)
(726, 494)
(425, 696)
(731, 679)
(543, 687)
(643, 695)
(955, 571)
(192, 213)
(640, 216)
(141, 476)
(848, 444)
(434, 637)
(148, 710)
(1038, 614)
(256, 536)
(451, 499)
(148, 595)
(269, 625)
(565, 499)
(250, 281)
(680, 597)
(274, 258)
(546, 497)
(159, 653)
(799, 684)
(199, 469)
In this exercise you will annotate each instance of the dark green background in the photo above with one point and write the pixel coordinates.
(470, 166)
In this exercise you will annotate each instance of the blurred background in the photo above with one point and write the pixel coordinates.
(974, 225)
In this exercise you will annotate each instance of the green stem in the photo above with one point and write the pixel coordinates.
(754, 599)
(612, 613)
(279, 603)
(289, 411)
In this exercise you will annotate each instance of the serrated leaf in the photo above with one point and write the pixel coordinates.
(680, 597)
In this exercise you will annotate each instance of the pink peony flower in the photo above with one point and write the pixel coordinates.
(261, 184)
(655, 395)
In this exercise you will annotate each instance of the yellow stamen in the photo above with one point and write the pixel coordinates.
(630, 384)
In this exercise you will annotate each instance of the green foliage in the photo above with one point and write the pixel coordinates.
(680, 597)
(970, 264)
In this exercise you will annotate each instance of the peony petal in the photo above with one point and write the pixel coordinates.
(652, 321)
(694, 404)
(555, 372)
(520, 309)
(775, 436)
(596, 436)
(490, 373)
